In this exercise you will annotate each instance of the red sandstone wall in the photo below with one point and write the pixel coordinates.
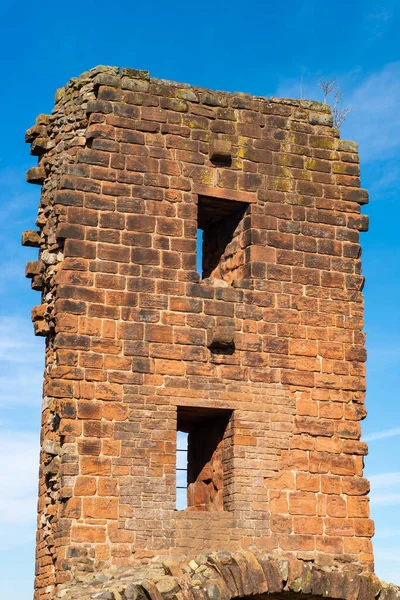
(127, 322)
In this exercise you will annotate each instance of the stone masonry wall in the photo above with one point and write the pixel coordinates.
(123, 161)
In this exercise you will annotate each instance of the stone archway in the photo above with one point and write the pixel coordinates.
(232, 576)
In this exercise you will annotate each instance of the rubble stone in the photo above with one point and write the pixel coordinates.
(254, 581)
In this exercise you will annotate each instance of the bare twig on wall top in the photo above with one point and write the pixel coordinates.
(339, 112)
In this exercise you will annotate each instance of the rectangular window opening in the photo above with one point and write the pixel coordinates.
(220, 249)
(200, 458)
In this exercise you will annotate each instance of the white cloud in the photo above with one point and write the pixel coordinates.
(16, 341)
(385, 489)
(377, 22)
(19, 455)
(387, 564)
(375, 123)
(18, 199)
(21, 363)
(385, 499)
(382, 480)
(390, 554)
(386, 183)
(381, 435)
(387, 533)
(20, 466)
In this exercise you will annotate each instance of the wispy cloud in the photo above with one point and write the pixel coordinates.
(21, 363)
(385, 489)
(377, 22)
(387, 563)
(390, 554)
(383, 350)
(386, 183)
(381, 435)
(17, 343)
(17, 198)
(382, 480)
(19, 454)
(387, 533)
(375, 122)
(385, 499)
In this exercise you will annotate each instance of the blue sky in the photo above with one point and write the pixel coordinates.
(265, 48)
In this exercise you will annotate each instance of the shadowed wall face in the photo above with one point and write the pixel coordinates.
(208, 462)
(223, 226)
(261, 361)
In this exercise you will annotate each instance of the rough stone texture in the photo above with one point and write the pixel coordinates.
(223, 576)
(125, 161)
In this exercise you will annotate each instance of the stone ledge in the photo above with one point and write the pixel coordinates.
(223, 576)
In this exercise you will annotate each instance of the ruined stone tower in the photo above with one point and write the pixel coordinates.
(259, 359)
